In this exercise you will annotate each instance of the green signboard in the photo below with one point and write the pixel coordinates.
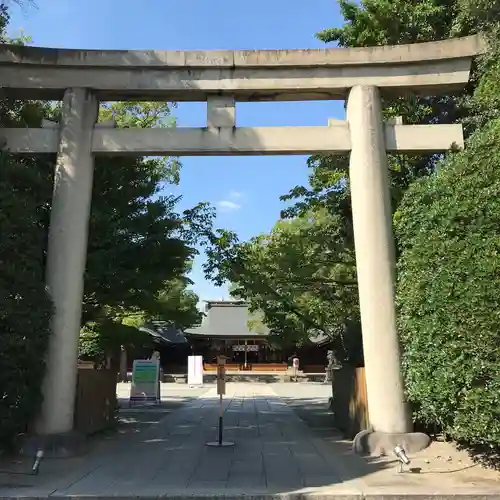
(144, 373)
(145, 385)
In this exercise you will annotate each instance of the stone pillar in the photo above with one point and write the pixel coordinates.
(66, 258)
(375, 261)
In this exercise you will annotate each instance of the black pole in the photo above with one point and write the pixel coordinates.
(220, 431)
(220, 422)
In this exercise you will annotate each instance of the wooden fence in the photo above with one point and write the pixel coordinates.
(349, 402)
(95, 405)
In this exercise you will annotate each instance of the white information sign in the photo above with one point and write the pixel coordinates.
(145, 387)
(195, 370)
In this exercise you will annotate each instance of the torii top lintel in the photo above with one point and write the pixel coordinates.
(247, 75)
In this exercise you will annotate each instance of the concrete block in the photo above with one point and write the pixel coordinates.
(221, 112)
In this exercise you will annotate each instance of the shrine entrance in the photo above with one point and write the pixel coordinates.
(362, 76)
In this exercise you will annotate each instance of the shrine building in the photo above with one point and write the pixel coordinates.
(224, 330)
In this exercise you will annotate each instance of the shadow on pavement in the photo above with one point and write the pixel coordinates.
(283, 445)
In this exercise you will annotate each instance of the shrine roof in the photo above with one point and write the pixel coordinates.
(164, 333)
(226, 319)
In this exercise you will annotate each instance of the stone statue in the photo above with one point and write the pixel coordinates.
(330, 357)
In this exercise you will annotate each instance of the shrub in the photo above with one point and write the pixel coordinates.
(448, 295)
(25, 308)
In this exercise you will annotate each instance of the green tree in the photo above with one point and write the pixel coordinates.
(367, 23)
(292, 281)
(378, 22)
(447, 227)
(101, 341)
(25, 308)
(177, 304)
(174, 304)
(391, 22)
(137, 242)
(140, 249)
(139, 246)
(370, 23)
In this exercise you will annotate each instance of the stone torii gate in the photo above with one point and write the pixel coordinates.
(82, 78)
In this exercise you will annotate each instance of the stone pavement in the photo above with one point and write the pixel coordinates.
(276, 454)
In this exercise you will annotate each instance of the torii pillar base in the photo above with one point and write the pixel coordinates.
(62, 445)
(379, 444)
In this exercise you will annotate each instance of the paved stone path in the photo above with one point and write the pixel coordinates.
(276, 454)
(274, 451)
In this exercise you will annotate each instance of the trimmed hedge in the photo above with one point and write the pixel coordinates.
(25, 308)
(448, 229)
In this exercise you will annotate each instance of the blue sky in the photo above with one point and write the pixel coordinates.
(246, 190)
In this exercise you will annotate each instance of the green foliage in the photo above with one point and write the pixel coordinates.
(300, 278)
(139, 248)
(447, 230)
(100, 339)
(174, 303)
(448, 280)
(378, 22)
(25, 308)
(390, 22)
(177, 305)
(369, 23)
(139, 114)
(134, 244)
(139, 251)
(393, 22)
(137, 242)
(485, 102)
(22, 39)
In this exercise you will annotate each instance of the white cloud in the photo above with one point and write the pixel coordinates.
(228, 205)
(235, 195)
(233, 201)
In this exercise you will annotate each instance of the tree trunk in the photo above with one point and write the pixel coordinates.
(123, 364)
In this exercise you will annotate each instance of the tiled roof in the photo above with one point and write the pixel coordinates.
(319, 338)
(228, 319)
(164, 333)
(225, 319)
